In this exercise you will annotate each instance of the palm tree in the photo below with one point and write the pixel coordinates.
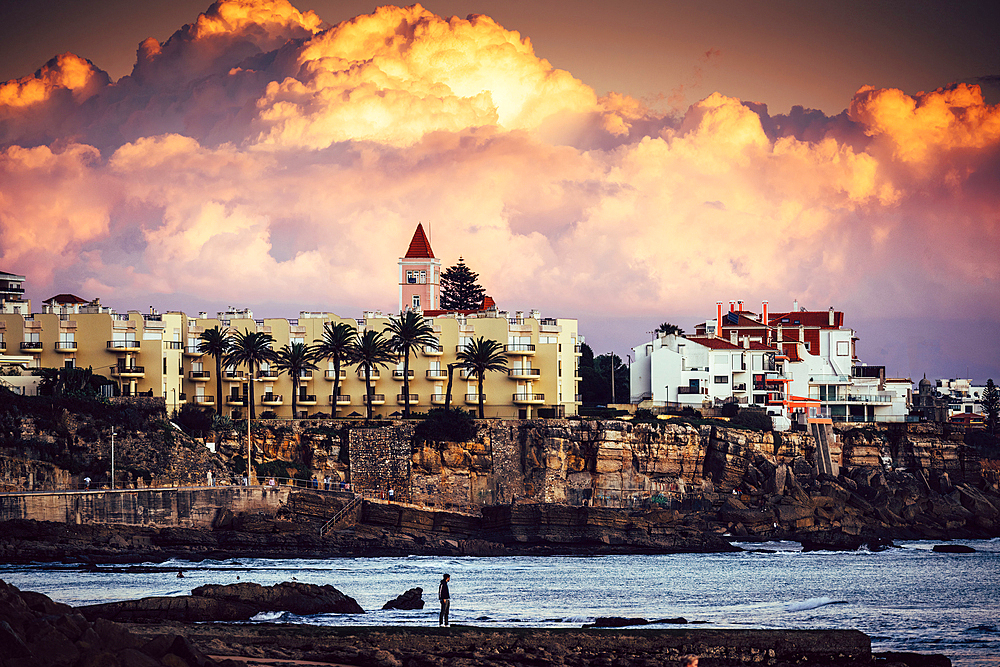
(215, 342)
(370, 350)
(407, 333)
(295, 359)
(451, 375)
(667, 329)
(251, 348)
(481, 355)
(336, 344)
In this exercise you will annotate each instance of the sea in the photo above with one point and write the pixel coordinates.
(907, 598)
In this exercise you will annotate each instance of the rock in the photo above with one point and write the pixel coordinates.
(832, 541)
(298, 598)
(411, 599)
(183, 608)
(953, 549)
(615, 622)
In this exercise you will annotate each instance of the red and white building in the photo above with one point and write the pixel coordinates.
(794, 362)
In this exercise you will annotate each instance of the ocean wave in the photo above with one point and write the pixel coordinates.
(811, 603)
(268, 616)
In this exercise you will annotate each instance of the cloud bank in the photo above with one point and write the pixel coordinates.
(258, 156)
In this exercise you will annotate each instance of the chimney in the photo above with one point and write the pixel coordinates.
(718, 318)
(763, 320)
(746, 342)
(831, 316)
(741, 305)
(732, 336)
(732, 306)
(795, 306)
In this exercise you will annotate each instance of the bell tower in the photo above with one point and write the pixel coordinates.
(419, 275)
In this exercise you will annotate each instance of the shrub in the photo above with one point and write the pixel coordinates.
(195, 418)
(269, 414)
(442, 425)
(644, 416)
(754, 419)
(730, 410)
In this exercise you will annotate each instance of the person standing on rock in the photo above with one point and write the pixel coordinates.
(445, 597)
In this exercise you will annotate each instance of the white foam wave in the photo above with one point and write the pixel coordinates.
(266, 616)
(811, 603)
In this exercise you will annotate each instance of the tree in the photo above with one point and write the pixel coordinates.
(595, 378)
(253, 349)
(295, 359)
(215, 342)
(991, 405)
(481, 355)
(667, 329)
(336, 344)
(369, 351)
(407, 333)
(460, 288)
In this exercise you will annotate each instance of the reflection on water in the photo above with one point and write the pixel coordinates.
(907, 599)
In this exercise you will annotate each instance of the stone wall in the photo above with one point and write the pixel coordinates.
(380, 459)
(186, 506)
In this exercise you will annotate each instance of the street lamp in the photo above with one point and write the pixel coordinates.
(112, 458)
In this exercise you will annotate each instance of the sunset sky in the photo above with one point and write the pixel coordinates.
(622, 163)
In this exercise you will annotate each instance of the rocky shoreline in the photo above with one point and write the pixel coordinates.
(38, 632)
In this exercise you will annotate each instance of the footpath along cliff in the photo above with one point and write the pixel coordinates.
(543, 486)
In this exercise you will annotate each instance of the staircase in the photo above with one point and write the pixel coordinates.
(822, 431)
(342, 514)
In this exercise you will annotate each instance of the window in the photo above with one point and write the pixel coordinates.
(411, 278)
(843, 348)
(416, 302)
(721, 379)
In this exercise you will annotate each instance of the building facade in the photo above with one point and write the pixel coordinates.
(156, 354)
(795, 362)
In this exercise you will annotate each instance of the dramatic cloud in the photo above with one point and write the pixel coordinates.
(256, 158)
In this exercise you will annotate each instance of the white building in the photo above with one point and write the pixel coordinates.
(789, 362)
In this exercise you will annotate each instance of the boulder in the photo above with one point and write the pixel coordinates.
(298, 598)
(411, 599)
(184, 608)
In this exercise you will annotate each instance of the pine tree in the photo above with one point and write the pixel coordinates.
(991, 405)
(460, 288)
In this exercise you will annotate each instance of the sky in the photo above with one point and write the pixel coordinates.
(625, 164)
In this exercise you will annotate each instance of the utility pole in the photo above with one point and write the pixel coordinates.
(112, 458)
(613, 377)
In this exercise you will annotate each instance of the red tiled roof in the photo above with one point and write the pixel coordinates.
(810, 318)
(713, 343)
(420, 247)
(65, 298)
(754, 345)
(488, 303)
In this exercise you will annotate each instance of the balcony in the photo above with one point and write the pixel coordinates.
(528, 399)
(66, 346)
(33, 347)
(173, 345)
(123, 345)
(128, 371)
(692, 390)
(438, 399)
(740, 387)
(519, 348)
(236, 400)
(191, 351)
(267, 375)
(271, 399)
(233, 376)
(523, 373)
(374, 374)
(376, 399)
(398, 375)
(473, 399)
(433, 350)
(305, 375)
(3, 345)
(332, 374)
(407, 399)
(306, 399)
(437, 374)
(342, 399)
(198, 399)
(578, 350)
(199, 376)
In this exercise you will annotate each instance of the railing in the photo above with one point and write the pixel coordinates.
(437, 373)
(66, 345)
(398, 375)
(474, 398)
(200, 375)
(33, 345)
(233, 375)
(332, 374)
(341, 399)
(829, 379)
(438, 398)
(578, 398)
(267, 375)
(192, 349)
(236, 400)
(123, 345)
(548, 322)
(740, 387)
(306, 398)
(578, 349)
(433, 350)
(519, 347)
(524, 372)
(692, 390)
(157, 317)
(341, 514)
(375, 398)
(128, 370)
(523, 398)
(373, 375)
(409, 399)
(174, 345)
(305, 375)
(271, 398)
(869, 398)
(198, 399)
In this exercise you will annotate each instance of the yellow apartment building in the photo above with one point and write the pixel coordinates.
(156, 354)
